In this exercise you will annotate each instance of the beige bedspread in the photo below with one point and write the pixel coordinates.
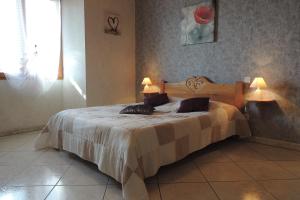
(131, 148)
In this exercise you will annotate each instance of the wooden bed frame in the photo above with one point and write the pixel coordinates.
(200, 86)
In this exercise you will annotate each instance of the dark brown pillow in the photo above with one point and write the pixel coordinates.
(138, 109)
(194, 105)
(156, 100)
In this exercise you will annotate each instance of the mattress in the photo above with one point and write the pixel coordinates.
(130, 148)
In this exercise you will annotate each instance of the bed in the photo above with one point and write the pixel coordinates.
(130, 148)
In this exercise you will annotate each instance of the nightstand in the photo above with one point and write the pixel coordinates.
(150, 94)
(263, 118)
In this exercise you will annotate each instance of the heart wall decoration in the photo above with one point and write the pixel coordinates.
(112, 24)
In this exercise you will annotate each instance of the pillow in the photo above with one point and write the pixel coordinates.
(138, 109)
(194, 105)
(175, 99)
(156, 100)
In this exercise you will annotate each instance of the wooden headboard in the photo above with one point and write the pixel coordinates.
(198, 86)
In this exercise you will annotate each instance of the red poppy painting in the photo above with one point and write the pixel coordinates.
(204, 14)
(198, 24)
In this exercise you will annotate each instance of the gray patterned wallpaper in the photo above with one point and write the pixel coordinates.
(255, 38)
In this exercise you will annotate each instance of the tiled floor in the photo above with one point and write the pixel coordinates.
(230, 170)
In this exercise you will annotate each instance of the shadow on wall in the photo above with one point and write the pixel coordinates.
(28, 104)
(77, 88)
(278, 119)
(29, 86)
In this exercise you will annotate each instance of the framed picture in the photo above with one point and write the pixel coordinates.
(112, 24)
(198, 23)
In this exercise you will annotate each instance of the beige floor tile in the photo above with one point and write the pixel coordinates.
(21, 166)
(11, 145)
(112, 181)
(241, 190)
(77, 193)
(244, 153)
(19, 158)
(214, 156)
(291, 166)
(7, 172)
(29, 135)
(2, 154)
(265, 170)
(25, 193)
(274, 153)
(13, 142)
(3, 181)
(180, 173)
(190, 191)
(113, 192)
(153, 191)
(39, 175)
(18, 138)
(83, 174)
(28, 146)
(283, 189)
(54, 157)
(151, 180)
(223, 172)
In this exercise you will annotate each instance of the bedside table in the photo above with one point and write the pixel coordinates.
(150, 94)
(263, 119)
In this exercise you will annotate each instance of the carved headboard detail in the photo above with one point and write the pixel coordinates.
(197, 83)
(198, 86)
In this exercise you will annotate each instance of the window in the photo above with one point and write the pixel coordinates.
(30, 38)
(2, 76)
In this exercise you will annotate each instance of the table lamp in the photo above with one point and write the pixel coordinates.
(259, 84)
(146, 82)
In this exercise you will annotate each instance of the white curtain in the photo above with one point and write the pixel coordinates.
(30, 38)
(12, 37)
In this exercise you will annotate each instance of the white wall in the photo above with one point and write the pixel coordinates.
(27, 106)
(74, 86)
(110, 59)
(30, 107)
(99, 69)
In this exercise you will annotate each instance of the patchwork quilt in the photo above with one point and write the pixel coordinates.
(130, 148)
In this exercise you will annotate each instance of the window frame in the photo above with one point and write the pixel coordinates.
(2, 76)
(60, 74)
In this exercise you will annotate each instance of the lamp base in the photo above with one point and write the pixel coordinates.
(150, 94)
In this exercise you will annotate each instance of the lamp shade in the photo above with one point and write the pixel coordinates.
(146, 81)
(258, 83)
